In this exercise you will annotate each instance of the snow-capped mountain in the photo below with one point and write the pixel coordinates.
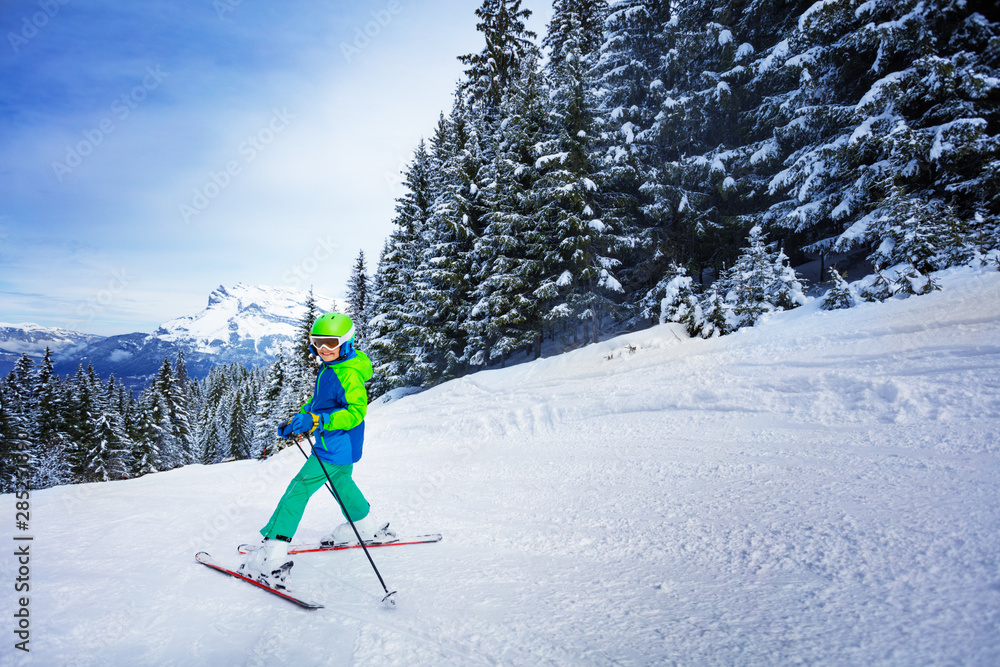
(245, 318)
(32, 339)
(241, 324)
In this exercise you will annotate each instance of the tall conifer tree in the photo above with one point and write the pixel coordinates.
(358, 305)
(510, 251)
(395, 325)
(489, 73)
(579, 284)
(442, 281)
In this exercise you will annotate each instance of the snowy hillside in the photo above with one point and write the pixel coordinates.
(821, 489)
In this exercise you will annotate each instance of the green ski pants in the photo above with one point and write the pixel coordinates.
(285, 520)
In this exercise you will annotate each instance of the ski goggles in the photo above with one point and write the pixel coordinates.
(329, 342)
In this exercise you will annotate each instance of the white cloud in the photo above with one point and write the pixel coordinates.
(333, 169)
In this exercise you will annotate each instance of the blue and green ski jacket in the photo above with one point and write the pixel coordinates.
(341, 402)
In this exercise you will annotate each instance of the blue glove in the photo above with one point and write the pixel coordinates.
(285, 429)
(304, 423)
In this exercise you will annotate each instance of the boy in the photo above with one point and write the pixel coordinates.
(335, 414)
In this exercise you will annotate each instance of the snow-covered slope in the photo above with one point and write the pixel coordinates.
(823, 489)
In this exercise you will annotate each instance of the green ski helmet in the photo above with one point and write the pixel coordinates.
(332, 330)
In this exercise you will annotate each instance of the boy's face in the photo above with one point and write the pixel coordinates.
(327, 355)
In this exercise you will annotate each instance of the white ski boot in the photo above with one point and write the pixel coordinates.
(269, 564)
(369, 530)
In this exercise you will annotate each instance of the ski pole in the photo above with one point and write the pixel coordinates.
(388, 599)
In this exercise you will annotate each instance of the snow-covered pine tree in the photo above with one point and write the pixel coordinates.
(239, 435)
(925, 234)
(674, 300)
(840, 295)
(153, 444)
(22, 394)
(48, 390)
(50, 466)
(19, 396)
(489, 73)
(395, 324)
(11, 443)
(578, 21)
(180, 450)
(771, 91)
(442, 282)
(301, 371)
(211, 439)
(34, 423)
(509, 251)
(82, 415)
(902, 96)
(116, 428)
(183, 381)
(266, 442)
(751, 277)
(627, 75)
(126, 406)
(358, 300)
(164, 438)
(578, 285)
(293, 394)
(303, 354)
(388, 351)
(716, 311)
(705, 72)
(107, 460)
(180, 415)
(183, 411)
(761, 282)
(227, 405)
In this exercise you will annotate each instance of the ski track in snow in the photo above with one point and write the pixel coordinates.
(821, 489)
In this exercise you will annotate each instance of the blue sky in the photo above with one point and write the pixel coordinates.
(152, 151)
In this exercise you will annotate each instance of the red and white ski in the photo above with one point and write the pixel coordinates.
(205, 558)
(312, 548)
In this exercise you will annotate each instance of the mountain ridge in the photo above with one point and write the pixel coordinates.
(248, 324)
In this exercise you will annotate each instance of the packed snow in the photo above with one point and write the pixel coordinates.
(823, 488)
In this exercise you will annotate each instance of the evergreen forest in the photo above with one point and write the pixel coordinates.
(666, 161)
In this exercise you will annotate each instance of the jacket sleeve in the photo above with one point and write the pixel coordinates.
(357, 403)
